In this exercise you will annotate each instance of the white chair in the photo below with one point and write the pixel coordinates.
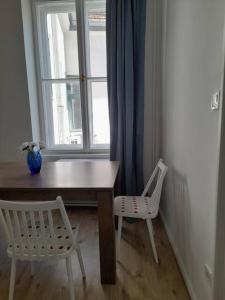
(33, 234)
(142, 207)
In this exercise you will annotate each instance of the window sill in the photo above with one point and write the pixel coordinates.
(51, 155)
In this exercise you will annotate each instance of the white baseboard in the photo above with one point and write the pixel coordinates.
(178, 257)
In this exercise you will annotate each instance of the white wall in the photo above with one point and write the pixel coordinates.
(193, 71)
(15, 123)
(31, 68)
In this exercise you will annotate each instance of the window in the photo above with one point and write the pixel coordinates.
(72, 58)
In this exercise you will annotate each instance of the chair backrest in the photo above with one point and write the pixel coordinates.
(30, 227)
(156, 178)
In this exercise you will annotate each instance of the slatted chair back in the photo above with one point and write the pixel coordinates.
(31, 230)
(157, 178)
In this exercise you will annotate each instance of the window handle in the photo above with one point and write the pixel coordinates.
(82, 77)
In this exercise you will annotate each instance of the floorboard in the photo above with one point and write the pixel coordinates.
(138, 277)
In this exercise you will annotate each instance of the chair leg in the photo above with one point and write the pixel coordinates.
(151, 235)
(80, 261)
(70, 277)
(120, 223)
(12, 279)
(32, 268)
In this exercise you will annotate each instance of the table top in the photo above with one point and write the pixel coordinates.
(60, 174)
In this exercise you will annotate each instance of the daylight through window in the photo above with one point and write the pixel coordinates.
(72, 57)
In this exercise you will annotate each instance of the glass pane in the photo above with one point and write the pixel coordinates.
(99, 115)
(96, 37)
(65, 106)
(62, 49)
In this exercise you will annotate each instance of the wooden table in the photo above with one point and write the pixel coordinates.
(73, 180)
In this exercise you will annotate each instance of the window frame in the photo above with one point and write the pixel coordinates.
(45, 109)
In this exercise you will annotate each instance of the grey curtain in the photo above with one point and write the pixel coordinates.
(125, 29)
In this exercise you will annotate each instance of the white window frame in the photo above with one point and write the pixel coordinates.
(42, 61)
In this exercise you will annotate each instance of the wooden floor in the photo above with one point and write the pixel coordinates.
(138, 277)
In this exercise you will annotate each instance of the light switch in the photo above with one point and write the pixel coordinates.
(215, 101)
(208, 272)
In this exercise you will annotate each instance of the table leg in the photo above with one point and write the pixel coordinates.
(106, 237)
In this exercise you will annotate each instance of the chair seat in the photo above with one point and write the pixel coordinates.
(49, 246)
(133, 206)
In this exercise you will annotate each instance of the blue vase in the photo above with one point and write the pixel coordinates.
(34, 161)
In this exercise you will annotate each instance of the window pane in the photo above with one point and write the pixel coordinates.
(65, 106)
(60, 50)
(96, 37)
(99, 116)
